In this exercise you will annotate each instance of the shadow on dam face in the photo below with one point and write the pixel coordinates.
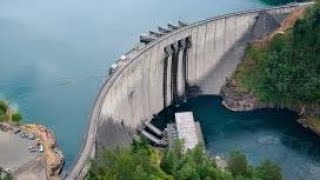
(211, 83)
(112, 134)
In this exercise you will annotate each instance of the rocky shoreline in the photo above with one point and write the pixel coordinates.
(53, 154)
(235, 99)
(44, 139)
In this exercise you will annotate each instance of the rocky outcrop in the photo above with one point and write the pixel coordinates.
(237, 100)
(53, 155)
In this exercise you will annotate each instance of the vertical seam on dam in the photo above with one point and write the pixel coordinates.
(187, 66)
(174, 73)
(196, 54)
(205, 44)
(224, 35)
(235, 24)
(165, 66)
(184, 62)
(214, 39)
(148, 79)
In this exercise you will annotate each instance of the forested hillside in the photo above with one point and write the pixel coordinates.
(288, 68)
(283, 70)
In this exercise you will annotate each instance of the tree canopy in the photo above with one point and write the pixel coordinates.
(279, 2)
(141, 161)
(288, 69)
(8, 114)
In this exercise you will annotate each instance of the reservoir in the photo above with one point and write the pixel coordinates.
(54, 54)
(262, 134)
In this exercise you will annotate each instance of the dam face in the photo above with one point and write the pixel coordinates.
(191, 60)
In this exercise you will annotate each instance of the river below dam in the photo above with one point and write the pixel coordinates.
(261, 134)
(54, 56)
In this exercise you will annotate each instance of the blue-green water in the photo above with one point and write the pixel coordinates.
(262, 134)
(54, 54)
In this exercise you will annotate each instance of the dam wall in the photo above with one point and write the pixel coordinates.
(191, 60)
(161, 73)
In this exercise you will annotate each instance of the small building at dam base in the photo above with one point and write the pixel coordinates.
(186, 129)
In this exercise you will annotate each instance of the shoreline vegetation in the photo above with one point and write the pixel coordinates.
(11, 119)
(8, 114)
(282, 70)
(279, 2)
(142, 161)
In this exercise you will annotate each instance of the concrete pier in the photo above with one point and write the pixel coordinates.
(188, 130)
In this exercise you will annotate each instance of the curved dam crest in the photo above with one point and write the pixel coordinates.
(192, 60)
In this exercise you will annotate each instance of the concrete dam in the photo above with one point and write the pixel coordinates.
(173, 64)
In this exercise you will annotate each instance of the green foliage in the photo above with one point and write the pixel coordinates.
(268, 171)
(16, 117)
(279, 2)
(3, 117)
(127, 163)
(238, 164)
(7, 114)
(3, 110)
(3, 107)
(4, 175)
(141, 161)
(288, 69)
(195, 164)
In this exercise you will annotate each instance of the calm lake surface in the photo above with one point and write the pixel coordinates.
(54, 54)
